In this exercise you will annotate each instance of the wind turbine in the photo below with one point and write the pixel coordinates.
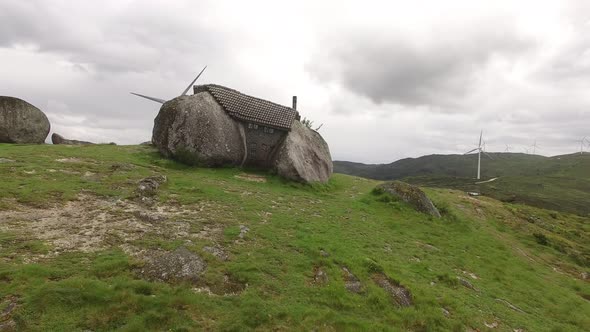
(508, 148)
(479, 150)
(161, 101)
(535, 146)
(584, 139)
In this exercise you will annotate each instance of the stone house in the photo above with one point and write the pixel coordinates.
(263, 125)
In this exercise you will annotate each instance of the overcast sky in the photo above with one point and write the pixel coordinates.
(388, 79)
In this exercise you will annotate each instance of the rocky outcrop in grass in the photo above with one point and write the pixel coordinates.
(173, 266)
(399, 294)
(409, 194)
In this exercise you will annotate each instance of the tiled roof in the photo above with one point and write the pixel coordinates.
(250, 109)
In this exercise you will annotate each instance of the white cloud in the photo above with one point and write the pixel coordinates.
(388, 79)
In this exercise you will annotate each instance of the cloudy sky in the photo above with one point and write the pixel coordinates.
(388, 79)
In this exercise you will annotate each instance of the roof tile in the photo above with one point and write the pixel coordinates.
(251, 109)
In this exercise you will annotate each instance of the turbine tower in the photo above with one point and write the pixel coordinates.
(479, 150)
(582, 141)
(161, 101)
(535, 146)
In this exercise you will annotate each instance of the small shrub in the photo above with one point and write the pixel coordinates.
(447, 280)
(559, 246)
(377, 191)
(307, 122)
(372, 266)
(385, 199)
(541, 239)
(445, 210)
(376, 302)
(142, 288)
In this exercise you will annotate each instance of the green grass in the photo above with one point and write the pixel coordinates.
(289, 225)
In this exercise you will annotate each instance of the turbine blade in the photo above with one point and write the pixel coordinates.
(471, 151)
(193, 82)
(157, 100)
(480, 134)
(487, 154)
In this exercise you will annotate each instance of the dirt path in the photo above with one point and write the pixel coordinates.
(486, 181)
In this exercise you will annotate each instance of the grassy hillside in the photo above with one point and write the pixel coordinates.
(74, 239)
(561, 183)
(502, 164)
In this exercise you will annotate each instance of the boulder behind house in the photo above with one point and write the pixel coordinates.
(58, 139)
(411, 195)
(21, 122)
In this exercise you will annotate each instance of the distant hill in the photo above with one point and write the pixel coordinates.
(559, 182)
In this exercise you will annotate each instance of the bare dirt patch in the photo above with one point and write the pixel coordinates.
(226, 286)
(76, 161)
(251, 177)
(93, 223)
(217, 251)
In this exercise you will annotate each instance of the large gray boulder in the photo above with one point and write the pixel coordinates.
(304, 156)
(197, 131)
(409, 194)
(21, 122)
(58, 139)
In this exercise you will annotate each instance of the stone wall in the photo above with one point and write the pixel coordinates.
(262, 143)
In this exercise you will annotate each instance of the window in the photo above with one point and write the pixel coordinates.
(255, 126)
(249, 126)
(270, 130)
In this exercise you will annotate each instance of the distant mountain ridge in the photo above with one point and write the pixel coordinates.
(448, 165)
(559, 182)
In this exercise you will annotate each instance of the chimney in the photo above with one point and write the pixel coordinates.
(294, 102)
